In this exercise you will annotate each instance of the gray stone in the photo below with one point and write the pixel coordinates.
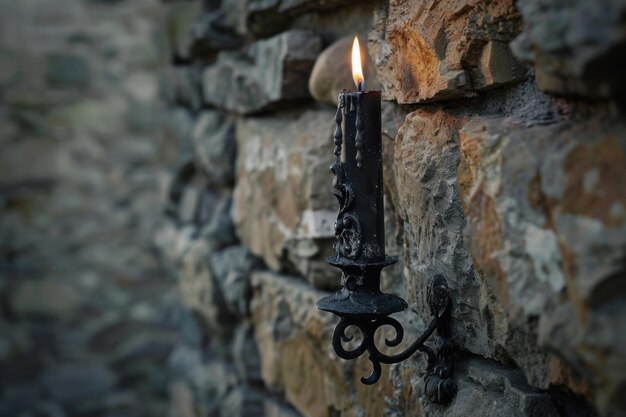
(179, 20)
(231, 269)
(443, 51)
(46, 297)
(332, 71)
(214, 143)
(78, 383)
(67, 70)
(217, 29)
(188, 204)
(182, 85)
(200, 289)
(246, 355)
(488, 389)
(576, 47)
(541, 230)
(282, 177)
(242, 402)
(427, 205)
(218, 229)
(266, 17)
(270, 72)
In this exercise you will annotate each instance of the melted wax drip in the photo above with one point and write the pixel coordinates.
(359, 133)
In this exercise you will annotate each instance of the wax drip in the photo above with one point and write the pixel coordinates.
(358, 143)
(338, 119)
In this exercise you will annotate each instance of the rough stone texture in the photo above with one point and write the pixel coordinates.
(437, 50)
(213, 138)
(512, 194)
(232, 267)
(268, 73)
(296, 360)
(181, 85)
(425, 195)
(196, 31)
(266, 17)
(281, 208)
(332, 71)
(546, 226)
(575, 47)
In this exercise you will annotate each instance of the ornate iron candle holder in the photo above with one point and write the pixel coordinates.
(360, 248)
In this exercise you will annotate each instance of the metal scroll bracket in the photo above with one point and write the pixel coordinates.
(369, 311)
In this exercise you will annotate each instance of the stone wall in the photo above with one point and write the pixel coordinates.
(505, 152)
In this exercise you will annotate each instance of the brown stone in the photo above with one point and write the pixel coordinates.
(546, 231)
(332, 71)
(294, 340)
(436, 50)
(269, 73)
(282, 208)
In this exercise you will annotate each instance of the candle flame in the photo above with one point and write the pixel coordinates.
(357, 71)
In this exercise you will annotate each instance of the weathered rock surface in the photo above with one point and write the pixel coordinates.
(268, 73)
(427, 206)
(547, 229)
(296, 353)
(213, 137)
(232, 267)
(436, 50)
(488, 389)
(576, 47)
(265, 17)
(282, 208)
(196, 31)
(182, 86)
(332, 71)
(297, 361)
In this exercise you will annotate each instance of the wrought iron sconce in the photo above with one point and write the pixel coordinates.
(360, 248)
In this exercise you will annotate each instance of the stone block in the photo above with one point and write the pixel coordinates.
(577, 47)
(547, 230)
(266, 17)
(246, 354)
(488, 389)
(182, 86)
(199, 287)
(332, 71)
(427, 205)
(67, 70)
(269, 73)
(231, 268)
(179, 20)
(435, 50)
(213, 138)
(282, 206)
(78, 383)
(46, 297)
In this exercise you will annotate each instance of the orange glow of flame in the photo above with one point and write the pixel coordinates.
(357, 71)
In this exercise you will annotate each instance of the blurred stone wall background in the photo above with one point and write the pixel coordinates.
(88, 315)
(505, 153)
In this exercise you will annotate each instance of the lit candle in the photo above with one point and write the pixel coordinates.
(360, 228)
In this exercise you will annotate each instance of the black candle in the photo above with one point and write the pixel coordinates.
(360, 227)
(358, 169)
